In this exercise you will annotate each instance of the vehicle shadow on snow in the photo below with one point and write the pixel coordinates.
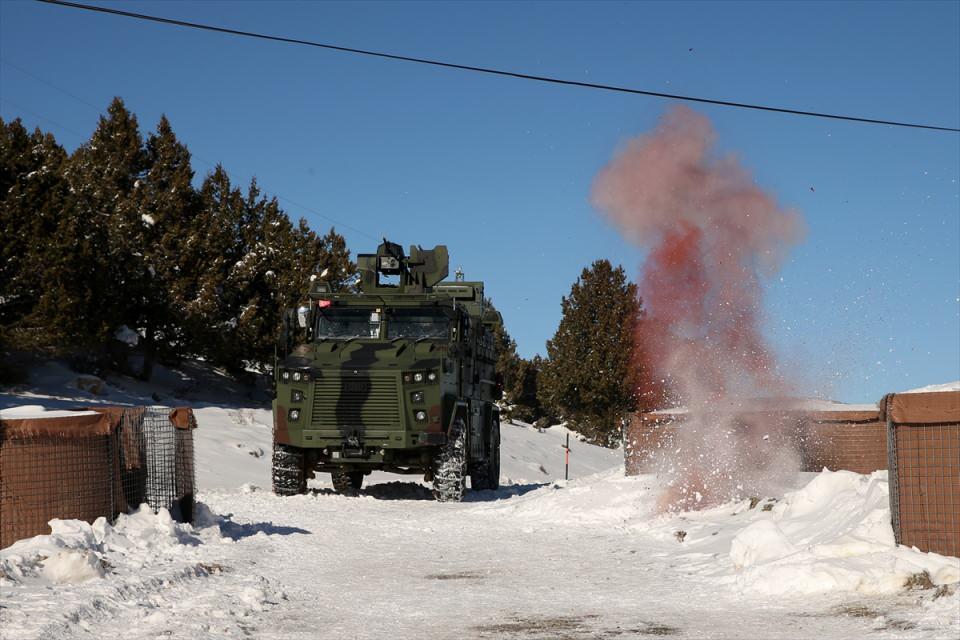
(414, 491)
(237, 531)
(505, 492)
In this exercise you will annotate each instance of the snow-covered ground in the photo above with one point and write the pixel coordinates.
(540, 558)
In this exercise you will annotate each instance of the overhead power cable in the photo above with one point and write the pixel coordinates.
(489, 70)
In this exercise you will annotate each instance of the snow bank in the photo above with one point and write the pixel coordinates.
(833, 534)
(936, 388)
(75, 550)
(37, 411)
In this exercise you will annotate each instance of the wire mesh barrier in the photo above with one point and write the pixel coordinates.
(54, 468)
(850, 440)
(185, 474)
(96, 463)
(156, 460)
(923, 435)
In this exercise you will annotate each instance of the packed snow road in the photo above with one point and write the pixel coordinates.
(574, 560)
(523, 563)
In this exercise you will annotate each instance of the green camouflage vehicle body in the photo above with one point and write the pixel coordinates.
(398, 376)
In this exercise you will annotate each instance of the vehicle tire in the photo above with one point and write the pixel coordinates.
(347, 483)
(289, 470)
(450, 466)
(494, 477)
(486, 474)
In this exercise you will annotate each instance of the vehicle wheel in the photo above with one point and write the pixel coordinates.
(289, 470)
(347, 482)
(450, 466)
(486, 475)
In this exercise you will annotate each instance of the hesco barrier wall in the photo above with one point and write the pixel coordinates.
(102, 462)
(842, 439)
(923, 431)
(850, 440)
(54, 468)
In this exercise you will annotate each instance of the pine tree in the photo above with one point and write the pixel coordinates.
(523, 392)
(94, 274)
(211, 244)
(507, 358)
(248, 263)
(116, 234)
(166, 201)
(32, 191)
(589, 379)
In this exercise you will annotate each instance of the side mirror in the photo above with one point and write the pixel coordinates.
(302, 316)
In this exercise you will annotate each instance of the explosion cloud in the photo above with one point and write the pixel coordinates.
(713, 235)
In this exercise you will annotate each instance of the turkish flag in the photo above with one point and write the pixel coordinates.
(323, 304)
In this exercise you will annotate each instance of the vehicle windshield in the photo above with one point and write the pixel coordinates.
(347, 323)
(418, 323)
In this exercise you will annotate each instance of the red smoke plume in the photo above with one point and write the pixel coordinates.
(713, 234)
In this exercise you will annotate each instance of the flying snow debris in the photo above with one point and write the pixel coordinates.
(712, 235)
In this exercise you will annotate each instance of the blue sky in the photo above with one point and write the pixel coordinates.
(500, 169)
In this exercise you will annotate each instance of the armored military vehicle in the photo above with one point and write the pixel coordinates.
(396, 376)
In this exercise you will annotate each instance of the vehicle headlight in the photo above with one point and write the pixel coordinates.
(420, 416)
(296, 376)
(285, 376)
(297, 395)
(432, 376)
(418, 377)
(417, 396)
(294, 414)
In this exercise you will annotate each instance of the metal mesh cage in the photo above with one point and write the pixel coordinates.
(54, 471)
(185, 476)
(101, 463)
(156, 461)
(925, 486)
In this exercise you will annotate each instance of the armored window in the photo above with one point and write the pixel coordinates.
(417, 323)
(347, 323)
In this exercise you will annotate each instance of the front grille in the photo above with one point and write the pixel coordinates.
(367, 400)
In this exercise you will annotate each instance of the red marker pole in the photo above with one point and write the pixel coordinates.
(566, 470)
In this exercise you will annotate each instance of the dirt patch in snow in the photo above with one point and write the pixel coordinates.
(538, 626)
(570, 628)
(884, 622)
(459, 575)
(855, 611)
